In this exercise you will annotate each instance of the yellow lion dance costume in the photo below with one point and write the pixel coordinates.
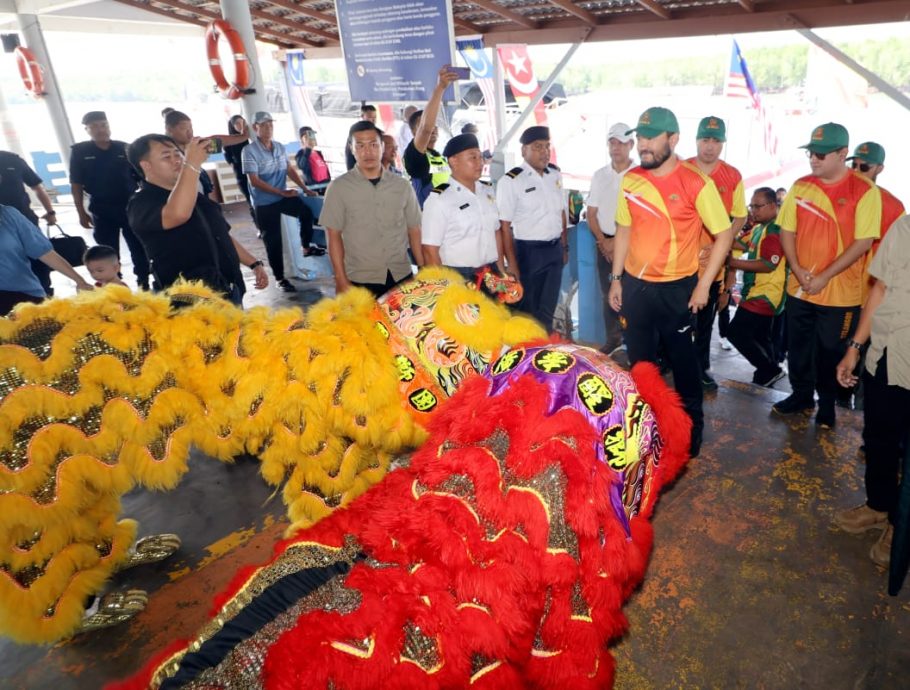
(109, 390)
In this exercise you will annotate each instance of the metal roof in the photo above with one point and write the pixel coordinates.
(312, 23)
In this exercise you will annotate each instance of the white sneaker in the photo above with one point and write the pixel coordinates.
(725, 344)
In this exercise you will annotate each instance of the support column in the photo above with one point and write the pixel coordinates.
(237, 13)
(498, 164)
(34, 40)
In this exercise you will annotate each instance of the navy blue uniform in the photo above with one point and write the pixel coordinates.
(110, 180)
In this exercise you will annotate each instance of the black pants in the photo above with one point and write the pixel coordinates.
(750, 333)
(886, 434)
(611, 318)
(704, 325)
(723, 320)
(540, 265)
(269, 217)
(817, 341)
(107, 231)
(9, 299)
(657, 314)
(379, 289)
(779, 337)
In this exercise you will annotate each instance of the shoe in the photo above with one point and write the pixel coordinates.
(793, 404)
(708, 383)
(771, 380)
(845, 403)
(286, 285)
(314, 251)
(725, 344)
(880, 553)
(860, 519)
(695, 442)
(825, 417)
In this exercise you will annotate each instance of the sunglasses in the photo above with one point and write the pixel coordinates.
(816, 154)
(862, 167)
(755, 207)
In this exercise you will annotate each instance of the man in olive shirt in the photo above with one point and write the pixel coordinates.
(371, 216)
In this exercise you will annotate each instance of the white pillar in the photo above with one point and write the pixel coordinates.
(498, 164)
(10, 135)
(34, 41)
(237, 13)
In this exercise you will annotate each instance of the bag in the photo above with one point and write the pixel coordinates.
(70, 247)
(319, 171)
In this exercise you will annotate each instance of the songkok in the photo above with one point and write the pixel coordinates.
(532, 134)
(460, 143)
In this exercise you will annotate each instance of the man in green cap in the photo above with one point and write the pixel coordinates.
(664, 204)
(709, 143)
(828, 223)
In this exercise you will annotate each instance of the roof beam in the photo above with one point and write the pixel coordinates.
(655, 7)
(575, 10)
(297, 26)
(749, 5)
(506, 13)
(467, 26)
(164, 13)
(283, 39)
(306, 12)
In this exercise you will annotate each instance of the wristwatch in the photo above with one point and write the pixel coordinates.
(615, 276)
(855, 345)
(253, 266)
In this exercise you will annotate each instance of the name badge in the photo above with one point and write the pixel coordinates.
(530, 189)
(463, 207)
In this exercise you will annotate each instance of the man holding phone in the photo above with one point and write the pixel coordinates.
(179, 127)
(265, 163)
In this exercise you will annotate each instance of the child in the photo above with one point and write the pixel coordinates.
(103, 265)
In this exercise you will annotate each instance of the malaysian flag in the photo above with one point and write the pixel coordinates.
(739, 84)
(476, 57)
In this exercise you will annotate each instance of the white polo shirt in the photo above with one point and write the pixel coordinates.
(462, 224)
(532, 203)
(604, 196)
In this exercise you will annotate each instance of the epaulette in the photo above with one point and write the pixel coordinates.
(553, 166)
(439, 189)
(514, 172)
(488, 184)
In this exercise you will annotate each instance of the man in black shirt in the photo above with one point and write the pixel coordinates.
(100, 168)
(184, 232)
(15, 176)
(427, 167)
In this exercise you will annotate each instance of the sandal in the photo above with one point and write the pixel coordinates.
(150, 550)
(113, 608)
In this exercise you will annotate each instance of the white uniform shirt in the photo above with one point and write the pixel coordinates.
(532, 203)
(604, 196)
(462, 224)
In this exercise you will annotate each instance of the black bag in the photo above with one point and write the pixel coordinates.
(70, 247)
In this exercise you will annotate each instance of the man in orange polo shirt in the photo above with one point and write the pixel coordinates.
(709, 142)
(828, 223)
(868, 160)
(663, 206)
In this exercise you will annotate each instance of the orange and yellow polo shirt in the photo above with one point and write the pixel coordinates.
(827, 219)
(729, 183)
(667, 216)
(892, 209)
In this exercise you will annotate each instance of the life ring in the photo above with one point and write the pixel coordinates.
(30, 71)
(232, 90)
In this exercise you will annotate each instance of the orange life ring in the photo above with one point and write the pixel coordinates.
(235, 89)
(30, 71)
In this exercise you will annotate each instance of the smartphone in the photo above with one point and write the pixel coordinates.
(214, 145)
(462, 72)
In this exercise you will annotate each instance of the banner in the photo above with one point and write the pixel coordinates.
(393, 50)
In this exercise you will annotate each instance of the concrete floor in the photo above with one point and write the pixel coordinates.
(749, 585)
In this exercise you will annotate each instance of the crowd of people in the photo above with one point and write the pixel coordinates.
(672, 238)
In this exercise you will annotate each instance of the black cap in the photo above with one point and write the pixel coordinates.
(93, 116)
(536, 133)
(460, 143)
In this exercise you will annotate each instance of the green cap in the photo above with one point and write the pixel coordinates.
(827, 138)
(654, 122)
(712, 127)
(870, 152)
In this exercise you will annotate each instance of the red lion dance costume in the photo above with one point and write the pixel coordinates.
(496, 559)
